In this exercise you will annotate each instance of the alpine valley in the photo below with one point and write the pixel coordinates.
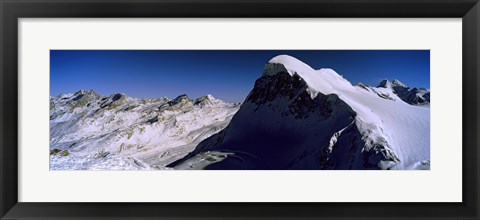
(295, 117)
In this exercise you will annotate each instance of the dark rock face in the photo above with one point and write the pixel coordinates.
(113, 101)
(117, 97)
(83, 98)
(281, 126)
(181, 99)
(268, 88)
(181, 102)
(293, 89)
(204, 100)
(78, 97)
(349, 152)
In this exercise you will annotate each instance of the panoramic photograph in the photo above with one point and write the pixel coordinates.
(239, 110)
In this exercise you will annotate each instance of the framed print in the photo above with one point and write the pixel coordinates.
(227, 109)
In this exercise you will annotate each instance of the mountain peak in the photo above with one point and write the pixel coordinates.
(395, 83)
(85, 92)
(324, 80)
(288, 60)
(385, 83)
(182, 96)
(285, 63)
(80, 92)
(118, 96)
(205, 100)
(181, 99)
(209, 96)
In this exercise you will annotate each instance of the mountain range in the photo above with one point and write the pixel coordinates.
(295, 117)
(121, 132)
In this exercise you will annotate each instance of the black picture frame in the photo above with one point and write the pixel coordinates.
(12, 10)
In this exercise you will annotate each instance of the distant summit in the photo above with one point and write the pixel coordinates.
(413, 96)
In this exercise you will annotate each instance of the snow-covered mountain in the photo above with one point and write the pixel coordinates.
(296, 117)
(413, 96)
(91, 131)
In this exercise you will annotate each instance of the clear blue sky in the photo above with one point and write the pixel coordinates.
(226, 74)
